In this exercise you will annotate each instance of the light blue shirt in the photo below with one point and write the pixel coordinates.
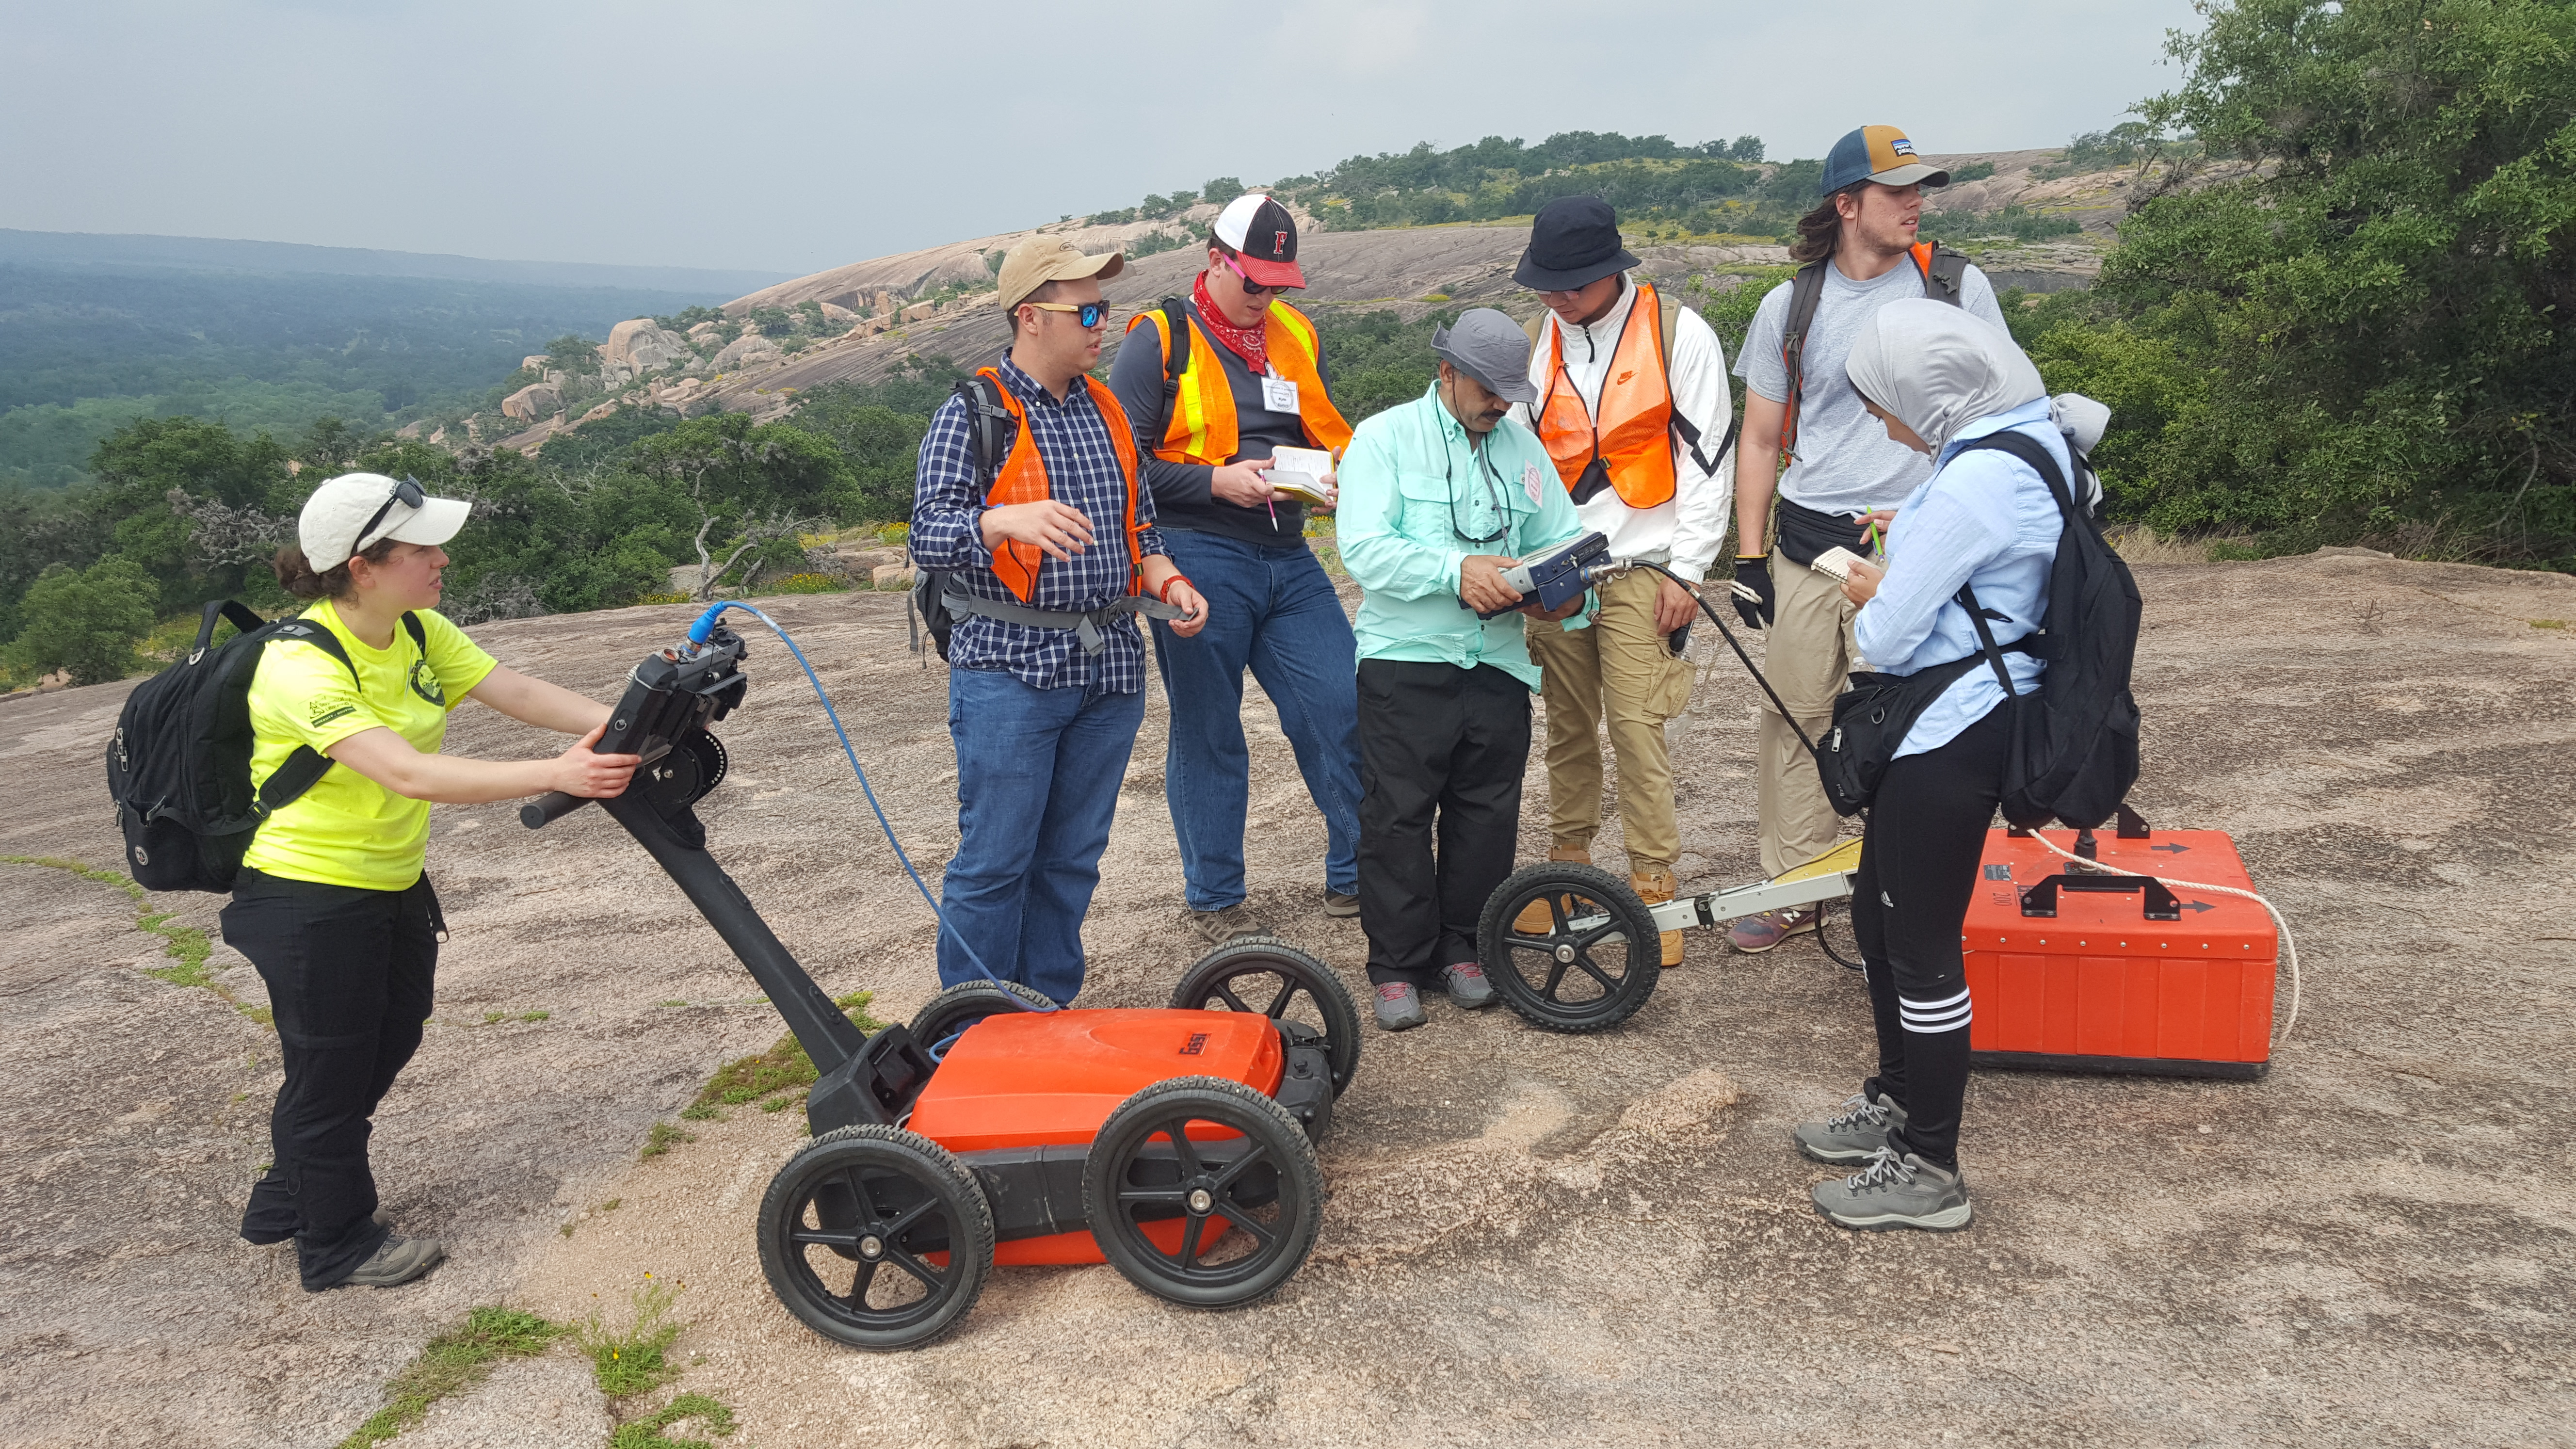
(1415, 500)
(1985, 520)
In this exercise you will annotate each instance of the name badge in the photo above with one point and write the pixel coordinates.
(1278, 395)
(1530, 483)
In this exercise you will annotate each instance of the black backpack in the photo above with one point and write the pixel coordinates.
(179, 765)
(990, 432)
(2074, 751)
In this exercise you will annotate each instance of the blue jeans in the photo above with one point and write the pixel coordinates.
(1272, 610)
(1038, 772)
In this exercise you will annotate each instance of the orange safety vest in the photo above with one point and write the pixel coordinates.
(1633, 433)
(1022, 478)
(1203, 427)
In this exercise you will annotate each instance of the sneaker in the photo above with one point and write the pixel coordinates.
(1756, 934)
(1399, 1006)
(1467, 985)
(1534, 919)
(1228, 923)
(399, 1261)
(1895, 1192)
(1853, 1135)
(1338, 904)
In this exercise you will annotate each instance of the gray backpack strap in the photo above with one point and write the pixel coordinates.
(1946, 280)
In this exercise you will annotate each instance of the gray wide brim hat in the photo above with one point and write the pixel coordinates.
(1491, 348)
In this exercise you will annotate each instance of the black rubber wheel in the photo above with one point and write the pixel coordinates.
(1250, 1173)
(1596, 964)
(857, 1202)
(968, 1002)
(1266, 974)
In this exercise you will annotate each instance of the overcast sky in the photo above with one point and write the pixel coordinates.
(797, 136)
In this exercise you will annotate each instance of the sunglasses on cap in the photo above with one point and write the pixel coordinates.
(1251, 288)
(1089, 314)
(407, 492)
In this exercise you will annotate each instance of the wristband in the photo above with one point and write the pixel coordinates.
(1165, 592)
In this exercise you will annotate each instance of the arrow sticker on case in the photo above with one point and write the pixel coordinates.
(2171, 849)
(2198, 906)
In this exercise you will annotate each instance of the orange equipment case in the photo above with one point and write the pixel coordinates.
(2075, 972)
(1047, 1081)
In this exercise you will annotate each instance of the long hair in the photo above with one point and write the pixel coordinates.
(1820, 229)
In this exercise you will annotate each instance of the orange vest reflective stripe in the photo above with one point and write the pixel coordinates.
(1203, 427)
(1633, 432)
(1022, 478)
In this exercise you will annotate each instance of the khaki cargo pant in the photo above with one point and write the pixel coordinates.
(1808, 655)
(1620, 666)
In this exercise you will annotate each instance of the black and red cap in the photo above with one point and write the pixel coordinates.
(1264, 238)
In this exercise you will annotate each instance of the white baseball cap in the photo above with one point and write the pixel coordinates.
(354, 511)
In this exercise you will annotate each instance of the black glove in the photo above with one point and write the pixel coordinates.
(1753, 576)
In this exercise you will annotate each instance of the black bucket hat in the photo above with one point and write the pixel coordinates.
(1574, 241)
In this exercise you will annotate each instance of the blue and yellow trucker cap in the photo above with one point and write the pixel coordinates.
(1880, 154)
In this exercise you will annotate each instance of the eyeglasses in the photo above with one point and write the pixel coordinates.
(407, 492)
(1089, 314)
(1251, 288)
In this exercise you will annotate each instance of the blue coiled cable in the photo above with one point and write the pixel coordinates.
(698, 633)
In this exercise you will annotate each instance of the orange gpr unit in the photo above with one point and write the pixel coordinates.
(1176, 1143)
(2114, 971)
(1020, 1098)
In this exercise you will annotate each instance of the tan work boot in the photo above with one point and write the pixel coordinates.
(1534, 919)
(1655, 888)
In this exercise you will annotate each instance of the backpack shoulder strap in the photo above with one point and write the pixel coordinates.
(320, 637)
(1805, 290)
(2029, 451)
(418, 631)
(986, 422)
(1945, 273)
(1176, 356)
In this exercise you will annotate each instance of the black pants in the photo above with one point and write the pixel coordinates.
(1442, 753)
(349, 974)
(1918, 868)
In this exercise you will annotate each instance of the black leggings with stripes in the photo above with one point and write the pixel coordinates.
(1918, 868)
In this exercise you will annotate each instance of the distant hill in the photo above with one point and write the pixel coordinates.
(72, 250)
(1704, 215)
(97, 330)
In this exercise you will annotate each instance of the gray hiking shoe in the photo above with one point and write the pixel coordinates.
(1853, 1135)
(1468, 986)
(1399, 1006)
(1895, 1192)
(1227, 923)
(1340, 905)
(399, 1261)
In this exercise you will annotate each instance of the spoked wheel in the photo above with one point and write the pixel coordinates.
(876, 1237)
(1203, 1191)
(1267, 975)
(1593, 966)
(967, 1002)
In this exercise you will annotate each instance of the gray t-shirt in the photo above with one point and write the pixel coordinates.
(1845, 462)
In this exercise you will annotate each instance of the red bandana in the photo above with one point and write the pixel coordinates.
(1252, 343)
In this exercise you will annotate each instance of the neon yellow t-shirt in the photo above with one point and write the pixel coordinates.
(348, 830)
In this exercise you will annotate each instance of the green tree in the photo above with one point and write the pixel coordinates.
(87, 622)
(140, 464)
(773, 321)
(1222, 190)
(573, 355)
(2369, 326)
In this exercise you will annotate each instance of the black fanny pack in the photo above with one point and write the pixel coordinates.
(1873, 716)
(1805, 533)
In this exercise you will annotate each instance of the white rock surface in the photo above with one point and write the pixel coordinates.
(536, 1403)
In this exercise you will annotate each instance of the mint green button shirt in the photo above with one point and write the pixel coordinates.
(1411, 487)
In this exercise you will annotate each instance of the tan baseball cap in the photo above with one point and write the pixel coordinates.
(1038, 260)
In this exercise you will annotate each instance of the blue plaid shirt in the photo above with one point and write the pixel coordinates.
(1083, 471)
